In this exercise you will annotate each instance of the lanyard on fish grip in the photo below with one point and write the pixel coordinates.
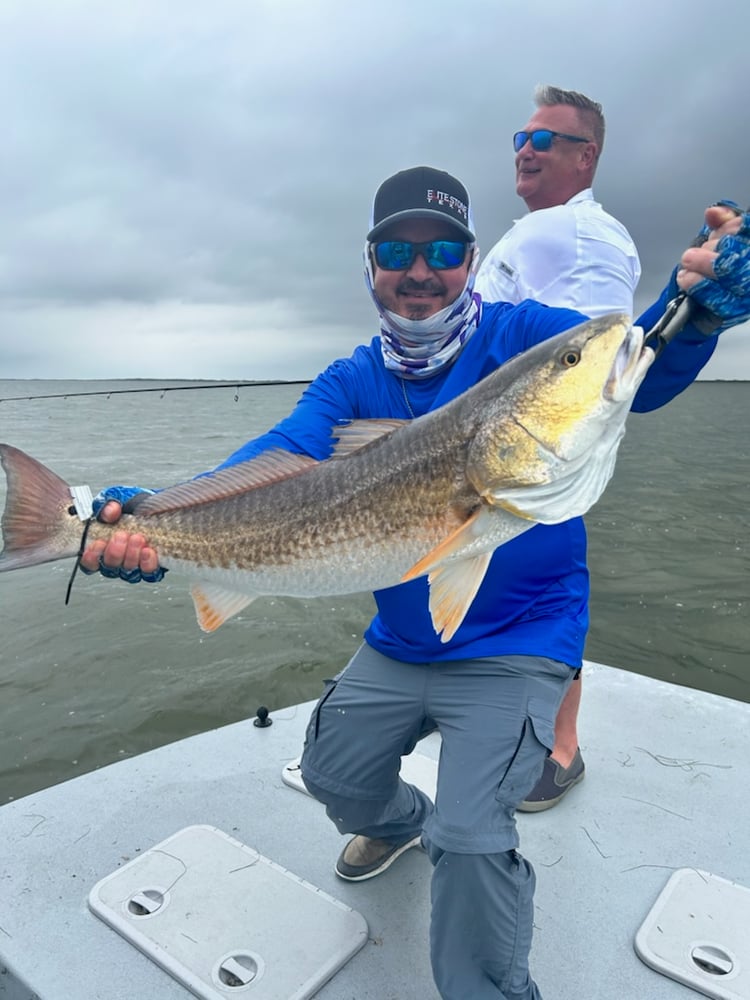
(77, 564)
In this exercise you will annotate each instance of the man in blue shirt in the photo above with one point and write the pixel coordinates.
(494, 688)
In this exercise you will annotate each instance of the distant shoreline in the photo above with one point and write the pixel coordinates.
(214, 383)
(231, 383)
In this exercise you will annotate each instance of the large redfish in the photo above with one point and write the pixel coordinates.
(533, 442)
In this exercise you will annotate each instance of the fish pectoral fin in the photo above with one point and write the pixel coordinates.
(454, 581)
(214, 605)
(450, 548)
(453, 587)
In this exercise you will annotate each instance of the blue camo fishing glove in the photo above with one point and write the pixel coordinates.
(122, 494)
(119, 493)
(726, 297)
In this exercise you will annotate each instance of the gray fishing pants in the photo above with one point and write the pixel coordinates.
(496, 720)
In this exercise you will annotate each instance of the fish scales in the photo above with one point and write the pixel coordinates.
(533, 442)
(389, 496)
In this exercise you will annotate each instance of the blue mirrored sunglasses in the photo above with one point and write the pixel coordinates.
(541, 139)
(398, 255)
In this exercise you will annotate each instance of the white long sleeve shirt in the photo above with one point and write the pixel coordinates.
(574, 255)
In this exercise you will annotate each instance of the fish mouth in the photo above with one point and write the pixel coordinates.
(632, 361)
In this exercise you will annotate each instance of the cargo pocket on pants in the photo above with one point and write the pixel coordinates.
(313, 726)
(535, 743)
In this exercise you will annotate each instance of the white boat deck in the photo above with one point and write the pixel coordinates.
(666, 788)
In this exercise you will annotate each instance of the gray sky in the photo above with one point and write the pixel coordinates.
(186, 185)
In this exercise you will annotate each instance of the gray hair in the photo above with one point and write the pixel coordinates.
(589, 112)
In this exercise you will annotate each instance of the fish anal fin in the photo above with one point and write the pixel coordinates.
(450, 548)
(453, 587)
(214, 605)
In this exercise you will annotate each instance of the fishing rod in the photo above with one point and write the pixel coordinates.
(676, 315)
(159, 388)
(680, 310)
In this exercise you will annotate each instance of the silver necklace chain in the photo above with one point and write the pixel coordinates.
(406, 398)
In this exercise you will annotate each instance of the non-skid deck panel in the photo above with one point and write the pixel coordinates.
(663, 769)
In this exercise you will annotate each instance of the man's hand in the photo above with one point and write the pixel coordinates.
(125, 556)
(717, 274)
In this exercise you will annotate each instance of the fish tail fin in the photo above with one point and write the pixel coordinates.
(37, 525)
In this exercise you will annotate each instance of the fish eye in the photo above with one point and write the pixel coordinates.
(570, 359)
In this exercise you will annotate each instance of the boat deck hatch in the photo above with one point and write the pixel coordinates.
(697, 933)
(227, 922)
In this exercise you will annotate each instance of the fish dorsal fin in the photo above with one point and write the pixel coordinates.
(453, 587)
(214, 605)
(269, 467)
(358, 433)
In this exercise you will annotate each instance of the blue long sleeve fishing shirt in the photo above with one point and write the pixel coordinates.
(534, 597)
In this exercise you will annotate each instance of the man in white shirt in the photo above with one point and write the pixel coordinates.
(567, 251)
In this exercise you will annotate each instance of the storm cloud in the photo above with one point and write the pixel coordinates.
(186, 187)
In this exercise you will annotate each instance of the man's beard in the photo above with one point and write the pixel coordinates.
(418, 310)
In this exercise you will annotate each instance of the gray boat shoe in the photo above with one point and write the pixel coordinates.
(364, 858)
(554, 784)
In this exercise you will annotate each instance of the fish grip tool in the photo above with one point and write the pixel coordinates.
(675, 316)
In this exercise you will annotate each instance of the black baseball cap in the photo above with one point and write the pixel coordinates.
(422, 193)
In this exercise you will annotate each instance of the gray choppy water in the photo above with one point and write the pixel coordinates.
(124, 669)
